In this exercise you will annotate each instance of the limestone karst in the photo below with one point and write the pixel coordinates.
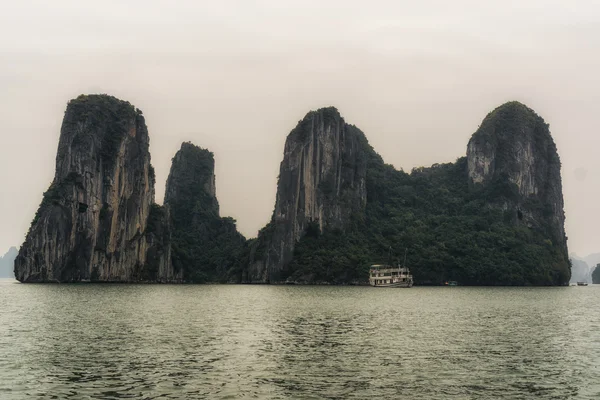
(493, 217)
(92, 223)
(205, 246)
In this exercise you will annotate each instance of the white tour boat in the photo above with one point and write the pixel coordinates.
(384, 275)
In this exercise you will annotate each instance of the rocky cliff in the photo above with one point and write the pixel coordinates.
(494, 217)
(513, 150)
(322, 183)
(93, 219)
(206, 247)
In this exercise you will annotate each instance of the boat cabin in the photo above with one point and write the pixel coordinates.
(382, 275)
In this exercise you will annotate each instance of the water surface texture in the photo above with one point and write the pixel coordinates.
(274, 342)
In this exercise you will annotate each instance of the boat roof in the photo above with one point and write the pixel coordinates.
(385, 266)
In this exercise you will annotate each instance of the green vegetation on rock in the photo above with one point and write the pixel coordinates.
(453, 230)
(102, 113)
(494, 217)
(451, 233)
(55, 193)
(205, 246)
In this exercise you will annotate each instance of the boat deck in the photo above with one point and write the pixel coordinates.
(389, 276)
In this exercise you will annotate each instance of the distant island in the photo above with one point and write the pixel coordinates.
(493, 217)
(580, 271)
(7, 263)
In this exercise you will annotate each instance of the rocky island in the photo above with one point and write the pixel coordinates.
(93, 221)
(206, 247)
(322, 186)
(494, 217)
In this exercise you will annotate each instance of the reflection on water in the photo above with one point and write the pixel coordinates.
(180, 341)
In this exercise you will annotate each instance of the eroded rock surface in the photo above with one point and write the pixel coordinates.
(514, 151)
(206, 247)
(494, 217)
(92, 222)
(322, 181)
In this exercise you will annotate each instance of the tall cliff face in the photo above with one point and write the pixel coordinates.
(322, 183)
(513, 150)
(494, 217)
(206, 247)
(92, 222)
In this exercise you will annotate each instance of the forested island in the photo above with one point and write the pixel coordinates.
(493, 217)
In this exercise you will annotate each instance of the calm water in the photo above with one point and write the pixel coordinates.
(168, 341)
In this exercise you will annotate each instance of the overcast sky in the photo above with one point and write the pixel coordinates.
(235, 77)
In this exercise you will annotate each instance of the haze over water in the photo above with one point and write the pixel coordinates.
(183, 341)
(235, 77)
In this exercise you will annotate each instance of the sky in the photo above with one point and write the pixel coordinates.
(236, 76)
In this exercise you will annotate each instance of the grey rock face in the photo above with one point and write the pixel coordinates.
(192, 176)
(322, 181)
(91, 225)
(206, 246)
(513, 147)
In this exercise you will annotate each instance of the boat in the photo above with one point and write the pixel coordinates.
(385, 275)
(582, 284)
(451, 283)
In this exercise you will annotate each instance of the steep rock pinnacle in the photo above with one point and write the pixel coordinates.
(91, 224)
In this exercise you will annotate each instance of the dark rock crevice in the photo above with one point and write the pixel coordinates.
(495, 217)
(89, 224)
(206, 246)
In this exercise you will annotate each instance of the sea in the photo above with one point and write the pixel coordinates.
(119, 341)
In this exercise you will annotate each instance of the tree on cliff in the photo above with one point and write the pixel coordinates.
(206, 247)
(91, 222)
(494, 217)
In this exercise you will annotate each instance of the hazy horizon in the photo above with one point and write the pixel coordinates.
(236, 77)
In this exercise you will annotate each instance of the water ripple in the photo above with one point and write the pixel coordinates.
(257, 342)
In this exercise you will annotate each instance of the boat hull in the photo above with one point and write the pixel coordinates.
(393, 285)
